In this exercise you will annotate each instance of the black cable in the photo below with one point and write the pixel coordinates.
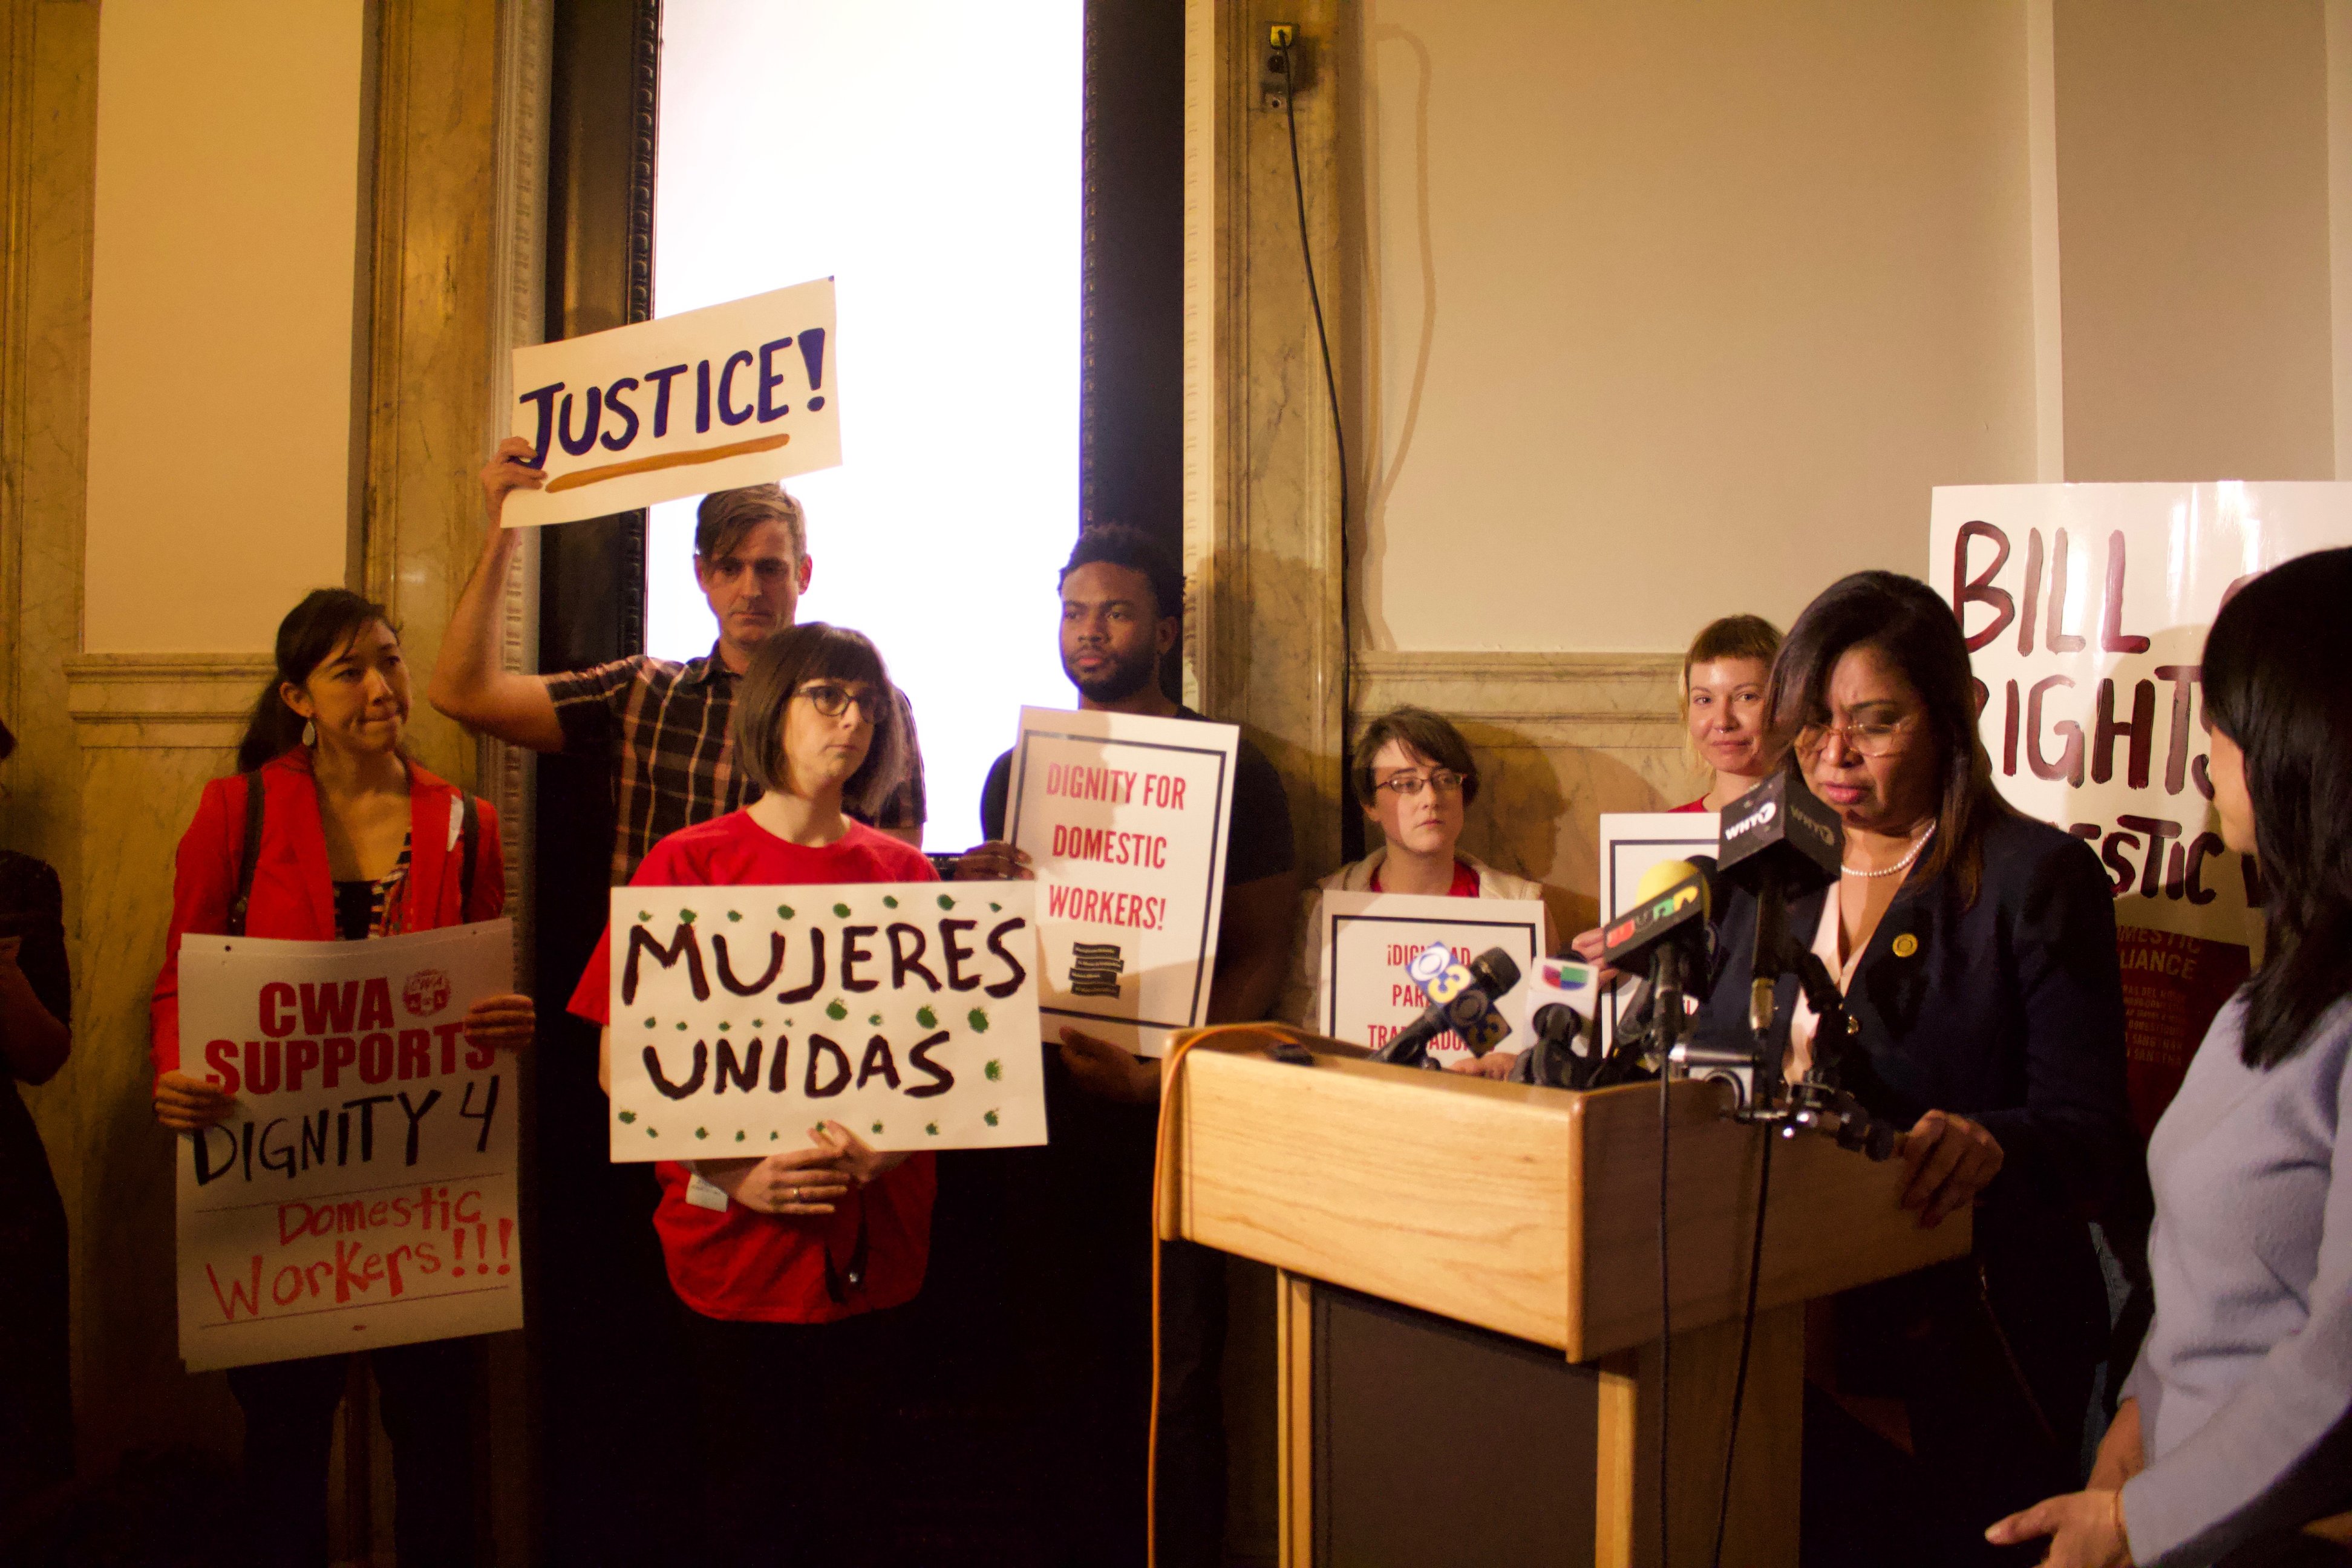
(1351, 825)
(1665, 1300)
(1746, 1336)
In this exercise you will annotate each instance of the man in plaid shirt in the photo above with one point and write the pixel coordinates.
(663, 724)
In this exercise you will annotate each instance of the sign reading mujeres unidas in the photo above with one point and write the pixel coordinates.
(744, 1017)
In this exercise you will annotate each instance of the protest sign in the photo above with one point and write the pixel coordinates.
(2085, 609)
(362, 1191)
(1630, 842)
(744, 1017)
(735, 394)
(1124, 819)
(1369, 939)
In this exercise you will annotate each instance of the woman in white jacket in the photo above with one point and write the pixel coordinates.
(1415, 773)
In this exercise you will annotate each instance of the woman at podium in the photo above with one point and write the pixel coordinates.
(1976, 949)
(2235, 1429)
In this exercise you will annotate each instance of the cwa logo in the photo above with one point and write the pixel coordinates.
(426, 992)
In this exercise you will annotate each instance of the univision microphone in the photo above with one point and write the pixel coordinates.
(1491, 973)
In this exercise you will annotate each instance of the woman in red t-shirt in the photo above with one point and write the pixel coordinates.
(790, 1263)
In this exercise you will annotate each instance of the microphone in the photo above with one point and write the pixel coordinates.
(1550, 1060)
(1461, 1004)
(1778, 841)
(1673, 901)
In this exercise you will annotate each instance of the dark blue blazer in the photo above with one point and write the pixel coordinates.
(2008, 1010)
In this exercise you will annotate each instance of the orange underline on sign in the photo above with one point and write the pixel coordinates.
(573, 480)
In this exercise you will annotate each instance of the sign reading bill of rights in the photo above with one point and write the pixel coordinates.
(1124, 819)
(362, 1191)
(735, 394)
(1370, 940)
(743, 1017)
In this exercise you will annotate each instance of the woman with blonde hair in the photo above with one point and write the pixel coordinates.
(1725, 673)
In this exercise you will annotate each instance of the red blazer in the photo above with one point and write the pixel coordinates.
(293, 891)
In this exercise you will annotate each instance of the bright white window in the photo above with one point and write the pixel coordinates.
(924, 155)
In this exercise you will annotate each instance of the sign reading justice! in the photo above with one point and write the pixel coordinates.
(362, 1192)
(739, 394)
(744, 1017)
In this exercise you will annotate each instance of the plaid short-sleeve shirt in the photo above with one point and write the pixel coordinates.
(665, 726)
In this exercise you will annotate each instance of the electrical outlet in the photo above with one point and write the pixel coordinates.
(1277, 72)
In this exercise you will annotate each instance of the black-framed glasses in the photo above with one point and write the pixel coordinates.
(1405, 787)
(833, 700)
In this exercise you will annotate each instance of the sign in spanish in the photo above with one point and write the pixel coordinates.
(1124, 820)
(362, 1192)
(1369, 939)
(734, 395)
(2085, 609)
(1630, 842)
(742, 1018)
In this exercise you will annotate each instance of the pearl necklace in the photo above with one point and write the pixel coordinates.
(1902, 864)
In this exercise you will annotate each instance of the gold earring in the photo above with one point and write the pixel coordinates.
(310, 732)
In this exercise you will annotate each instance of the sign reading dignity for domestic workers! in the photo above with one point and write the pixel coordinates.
(362, 1192)
(2085, 609)
(707, 400)
(1630, 842)
(742, 1018)
(1368, 938)
(1124, 819)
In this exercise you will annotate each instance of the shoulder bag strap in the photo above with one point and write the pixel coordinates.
(249, 856)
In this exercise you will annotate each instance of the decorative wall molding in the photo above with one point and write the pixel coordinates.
(1263, 631)
(1602, 699)
(164, 701)
(518, 317)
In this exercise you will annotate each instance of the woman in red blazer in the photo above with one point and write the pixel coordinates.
(354, 841)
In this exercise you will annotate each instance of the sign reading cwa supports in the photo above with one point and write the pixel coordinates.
(744, 1017)
(2085, 609)
(735, 394)
(362, 1192)
(1124, 817)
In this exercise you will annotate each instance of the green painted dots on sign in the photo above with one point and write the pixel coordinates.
(739, 1136)
(649, 1023)
(946, 902)
(978, 1019)
(733, 916)
(783, 911)
(841, 911)
(759, 1023)
(995, 907)
(875, 1019)
(702, 1132)
(931, 1128)
(645, 914)
(926, 1019)
(628, 1116)
(773, 1136)
(681, 1023)
(878, 1128)
(835, 1011)
(989, 1117)
(723, 1024)
(652, 1132)
(993, 1070)
(890, 900)
(685, 915)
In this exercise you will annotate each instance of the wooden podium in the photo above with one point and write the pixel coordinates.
(1468, 1309)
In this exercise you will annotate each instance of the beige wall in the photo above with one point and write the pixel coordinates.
(228, 303)
(1657, 313)
(1668, 311)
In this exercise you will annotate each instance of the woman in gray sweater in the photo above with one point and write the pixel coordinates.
(2236, 1423)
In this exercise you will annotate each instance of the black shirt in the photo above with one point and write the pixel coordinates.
(1258, 839)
